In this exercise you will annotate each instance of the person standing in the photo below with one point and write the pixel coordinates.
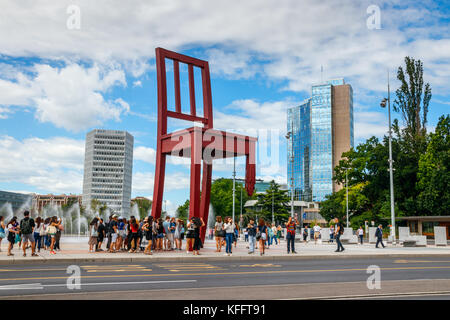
(317, 229)
(219, 233)
(331, 234)
(13, 230)
(147, 229)
(245, 235)
(305, 234)
(37, 233)
(236, 234)
(177, 235)
(101, 235)
(172, 228)
(339, 231)
(113, 229)
(159, 235)
(198, 224)
(52, 229)
(291, 226)
(379, 235)
(190, 236)
(274, 234)
(251, 229)
(2, 231)
(59, 229)
(360, 233)
(261, 230)
(134, 228)
(26, 230)
(229, 232)
(108, 232)
(93, 235)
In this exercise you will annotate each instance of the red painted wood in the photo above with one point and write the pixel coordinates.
(176, 76)
(193, 142)
(192, 89)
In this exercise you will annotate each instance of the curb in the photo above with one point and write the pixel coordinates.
(42, 260)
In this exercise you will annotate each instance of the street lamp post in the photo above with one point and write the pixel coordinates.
(234, 185)
(290, 137)
(273, 217)
(391, 174)
(346, 187)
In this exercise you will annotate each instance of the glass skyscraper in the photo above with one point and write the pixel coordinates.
(322, 128)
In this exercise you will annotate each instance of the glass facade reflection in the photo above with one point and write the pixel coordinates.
(311, 125)
(299, 121)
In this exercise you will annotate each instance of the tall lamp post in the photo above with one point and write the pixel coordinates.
(391, 174)
(346, 192)
(234, 185)
(290, 137)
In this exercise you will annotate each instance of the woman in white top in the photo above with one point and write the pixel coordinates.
(218, 233)
(229, 231)
(360, 233)
(39, 225)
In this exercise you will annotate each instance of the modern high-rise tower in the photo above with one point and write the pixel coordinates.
(108, 167)
(322, 129)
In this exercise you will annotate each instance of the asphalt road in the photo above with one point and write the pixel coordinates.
(411, 278)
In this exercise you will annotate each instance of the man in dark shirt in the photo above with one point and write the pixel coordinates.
(101, 234)
(113, 229)
(26, 230)
(379, 235)
(339, 230)
(251, 228)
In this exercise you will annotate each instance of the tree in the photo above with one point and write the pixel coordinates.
(144, 206)
(277, 198)
(183, 211)
(412, 97)
(97, 206)
(222, 197)
(434, 173)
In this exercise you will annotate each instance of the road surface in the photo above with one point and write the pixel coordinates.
(401, 278)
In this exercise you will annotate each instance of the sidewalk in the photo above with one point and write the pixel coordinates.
(78, 252)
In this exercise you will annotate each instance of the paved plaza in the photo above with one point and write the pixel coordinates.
(77, 250)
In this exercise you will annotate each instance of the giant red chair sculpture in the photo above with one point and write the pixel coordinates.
(200, 144)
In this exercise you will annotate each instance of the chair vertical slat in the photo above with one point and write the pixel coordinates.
(176, 75)
(192, 88)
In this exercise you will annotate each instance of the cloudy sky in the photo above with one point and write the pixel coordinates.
(67, 67)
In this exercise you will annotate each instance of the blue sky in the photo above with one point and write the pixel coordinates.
(59, 82)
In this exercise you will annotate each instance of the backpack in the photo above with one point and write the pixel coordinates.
(26, 227)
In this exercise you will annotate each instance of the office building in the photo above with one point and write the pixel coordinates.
(108, 169)
(322, 129)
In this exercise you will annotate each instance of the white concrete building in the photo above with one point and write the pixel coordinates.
(108, 167)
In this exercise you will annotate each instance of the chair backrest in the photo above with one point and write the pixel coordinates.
(163, 112)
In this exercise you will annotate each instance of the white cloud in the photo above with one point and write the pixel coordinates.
(293, 38)
(251, 115)
(70, 97)
(145, 154)
(53, 165)
(137, 83)
(143, 182)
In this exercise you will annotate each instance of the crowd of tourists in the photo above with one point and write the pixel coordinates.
(147, 235)
(29, 233)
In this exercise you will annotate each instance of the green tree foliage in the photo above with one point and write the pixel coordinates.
(413, 97)
(144, 206)
(183, 211)
(97, 206)
(434, 175)
(420, 161)
(277, 198)
(222, 197)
